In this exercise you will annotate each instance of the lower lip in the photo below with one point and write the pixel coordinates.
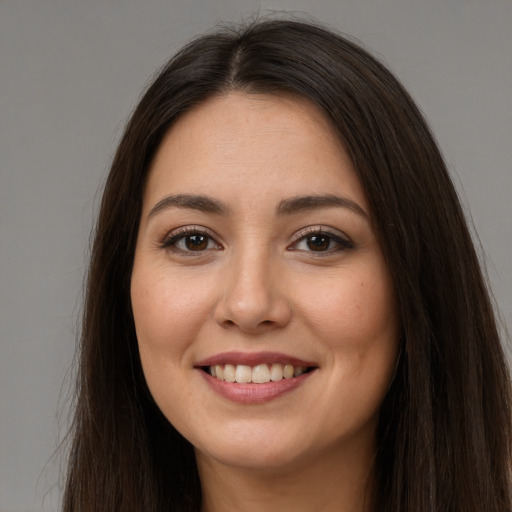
(251, 393)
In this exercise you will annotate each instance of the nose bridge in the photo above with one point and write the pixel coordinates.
(251, 297)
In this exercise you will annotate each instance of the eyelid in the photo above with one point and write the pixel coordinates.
(335, 234)
(343, 242)
(172, 236)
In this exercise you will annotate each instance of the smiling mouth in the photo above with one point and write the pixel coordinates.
(258, 374)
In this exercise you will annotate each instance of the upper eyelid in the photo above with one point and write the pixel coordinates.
(186, 230)
(177, 233)
(298, 235)
(339, 237)
(324, 230)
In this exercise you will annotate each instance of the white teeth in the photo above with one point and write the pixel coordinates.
(288, 371)
(229, 373)
(259, 374)
(276, 372)
(243, 373)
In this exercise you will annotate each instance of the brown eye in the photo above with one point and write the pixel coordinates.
(190, 241)
(196, 242)
(321, 242)
(318, 242)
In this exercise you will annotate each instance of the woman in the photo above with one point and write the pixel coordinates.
(284, 306)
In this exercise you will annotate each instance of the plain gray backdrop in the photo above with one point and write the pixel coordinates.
(71, 71)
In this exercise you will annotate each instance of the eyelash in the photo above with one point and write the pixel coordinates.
(171, 242)
(341, 243)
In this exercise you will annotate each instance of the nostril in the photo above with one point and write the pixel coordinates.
(227, 323)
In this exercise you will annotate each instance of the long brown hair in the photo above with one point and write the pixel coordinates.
(444, 438)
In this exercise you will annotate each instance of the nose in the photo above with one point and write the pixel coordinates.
(253, 297)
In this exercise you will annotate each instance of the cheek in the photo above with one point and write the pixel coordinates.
(354, 309)
(168, 313)
(356, 319)
(355, 316)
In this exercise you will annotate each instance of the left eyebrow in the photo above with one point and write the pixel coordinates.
(195, 202)
(308, 203)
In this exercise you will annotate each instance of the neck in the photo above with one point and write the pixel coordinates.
(332, 482)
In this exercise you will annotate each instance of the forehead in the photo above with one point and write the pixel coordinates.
(245, 147)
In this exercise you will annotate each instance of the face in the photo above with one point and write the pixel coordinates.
(264, 310)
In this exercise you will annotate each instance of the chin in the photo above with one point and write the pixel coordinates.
(254, 449)
(251, 459)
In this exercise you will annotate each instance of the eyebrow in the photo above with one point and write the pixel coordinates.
(317, 202)
(189, 201)
(288, 206)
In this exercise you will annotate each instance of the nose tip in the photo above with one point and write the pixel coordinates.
(255, 316)
(253, 301)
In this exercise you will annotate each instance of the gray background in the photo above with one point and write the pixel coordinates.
(71, 71)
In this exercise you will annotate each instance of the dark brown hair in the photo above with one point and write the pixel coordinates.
(444, 438)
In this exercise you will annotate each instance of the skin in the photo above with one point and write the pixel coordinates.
(259, 284)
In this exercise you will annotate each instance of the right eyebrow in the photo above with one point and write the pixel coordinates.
(195, 202)
(318, 202)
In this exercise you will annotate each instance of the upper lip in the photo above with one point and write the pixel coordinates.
(253, 359)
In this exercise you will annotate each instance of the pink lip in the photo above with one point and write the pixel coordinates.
(251, 393)
(252, 359)
(254, 393)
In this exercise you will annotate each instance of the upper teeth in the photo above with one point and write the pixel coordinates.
(257, 374)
